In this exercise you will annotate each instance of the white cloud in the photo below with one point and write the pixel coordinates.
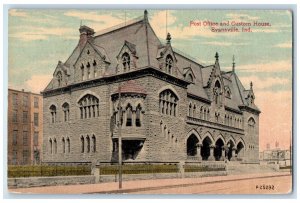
(224, 43)
(263, 83)
(17, 13)
(37, 83)
(274, 66)
(284, 45)
(39, 33)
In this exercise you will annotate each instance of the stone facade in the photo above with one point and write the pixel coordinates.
(166, 106)
(25, 127)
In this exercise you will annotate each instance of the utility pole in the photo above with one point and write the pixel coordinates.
(120, 137)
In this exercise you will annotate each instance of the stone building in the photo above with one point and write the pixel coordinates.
(25, 127)
(168, 106)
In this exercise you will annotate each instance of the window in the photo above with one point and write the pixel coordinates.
(88, 143)
(68, 145)
(50, 146)
(168, 102)
(82, 72)
(25, 116)
(217, 92)
(169, 64)
(55, 146)
(129, 115)
(25, 138)
(82, 144)
(126, 61)
(94, 143)
(53, 113)
(36, 138)
(251, 126)
(15, 116)
(138, 122)
(15, 137)
(59, 78)
(36, 102)
(89, 106)
(36, 119)
(190, 110)
(95, 68)
(25, 156)
(63, 145)
(15, 157)
(88, 70)
(66, 110)
(15, 99)
(25, 101)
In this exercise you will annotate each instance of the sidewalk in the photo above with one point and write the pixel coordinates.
(139, 185)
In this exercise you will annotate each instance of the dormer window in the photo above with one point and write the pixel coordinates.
(59, 79)
(169, 64)
(227, 92)
(190, 78)
(126, 62)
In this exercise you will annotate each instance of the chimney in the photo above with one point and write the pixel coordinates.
(86, 33)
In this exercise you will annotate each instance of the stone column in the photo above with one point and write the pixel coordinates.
(199, 151)
(222, 158)
(124, 118)
(211, 155)
(233, 157)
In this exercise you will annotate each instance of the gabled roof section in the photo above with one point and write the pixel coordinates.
(206, 74)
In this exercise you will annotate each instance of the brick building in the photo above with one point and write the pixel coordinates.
(171, 108)
(25, 127)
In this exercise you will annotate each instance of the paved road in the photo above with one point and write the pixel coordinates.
(231, 184)
(273, 185)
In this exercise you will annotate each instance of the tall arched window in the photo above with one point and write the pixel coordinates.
(194, 111)
(59, 78)
(50, 146)
(251, 126)
(89, 106)
(126, 61)
(88, 66)
(88, 144)
(82, 71)
(53, 113)
(190, 109)
(66, 109)
(55, 146)
(169, 64)
(138, 122)
(217, 92)
(82, 144)
(68, 145)
(168, 102)
(129, 115)
(94, 143)
(63, 145)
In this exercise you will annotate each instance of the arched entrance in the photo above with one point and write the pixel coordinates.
(219, 148)
(191, 148)
(240, 149)
(205, 150)
(228, 150)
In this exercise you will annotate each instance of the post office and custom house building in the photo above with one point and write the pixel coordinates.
(166, 106)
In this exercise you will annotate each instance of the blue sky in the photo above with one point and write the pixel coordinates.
(39, 38)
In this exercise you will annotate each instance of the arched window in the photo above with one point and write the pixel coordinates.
(55, 146)
(251, 126)
(89, 106)
(82, 72)
(63, 145)
(88, 66)
(138, 122)
(82, 144)
(68, 145)
(95, 68)
(126, 61)
(190, 110)
(50, 146)
(66, 109)
(217, 92)
(59, 78)
(53, 113)
(129, 115)
(194, 111)
(94, 143)
(169, 64)
(88, 144)
(168, 102)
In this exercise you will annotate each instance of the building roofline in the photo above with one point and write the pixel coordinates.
(28, 92)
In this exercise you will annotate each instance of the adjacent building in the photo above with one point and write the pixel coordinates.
(25, 127)
(165, 105)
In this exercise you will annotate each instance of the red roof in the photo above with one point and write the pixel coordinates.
(131, 87)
